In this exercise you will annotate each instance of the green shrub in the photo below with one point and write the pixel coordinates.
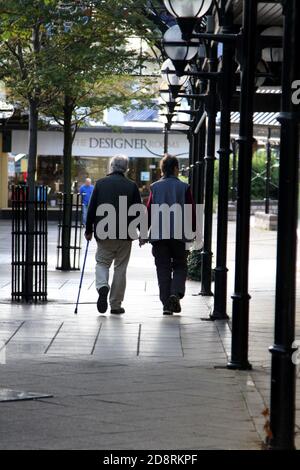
(258, 184)
(194, 265)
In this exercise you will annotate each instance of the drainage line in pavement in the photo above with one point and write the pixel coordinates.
(11, 337)
(63, 284)
(53, 339)
(180, 337)
(139, 340)
(96, 339)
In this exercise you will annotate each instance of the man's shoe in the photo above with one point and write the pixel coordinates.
(117, 311)
(173, 304)
(102, 299)
(167, 312)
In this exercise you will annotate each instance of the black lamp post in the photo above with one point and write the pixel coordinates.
(233, 171)
(268, 172)
(225, 88)
(283, 374)
(171, 103)
(241, 297)
(187, 14)
(209, 165)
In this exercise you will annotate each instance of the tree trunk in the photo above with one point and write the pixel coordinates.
(32, 154)
(67, 162)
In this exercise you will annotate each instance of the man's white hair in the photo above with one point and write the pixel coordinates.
(119, 163)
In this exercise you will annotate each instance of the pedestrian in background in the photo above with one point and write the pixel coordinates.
(86, 192)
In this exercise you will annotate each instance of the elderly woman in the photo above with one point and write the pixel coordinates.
(114, 243)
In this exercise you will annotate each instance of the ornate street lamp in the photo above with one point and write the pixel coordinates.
(168, 98)
(187, 12)
(174, 82)
(178, 50)
(273, 54)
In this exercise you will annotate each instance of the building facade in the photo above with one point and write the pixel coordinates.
(92, 149)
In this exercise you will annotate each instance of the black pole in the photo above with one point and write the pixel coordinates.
(233, 171)
(225, 93)
(241, 297)
(194, 185)
(283, 376)
(268, 173)
(191, 160)
(166, 139)
(211, 109)
(192, 155)
(200, 149)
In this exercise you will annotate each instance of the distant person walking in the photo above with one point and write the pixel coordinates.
(86, 192)
(169, 248)
(115, 248)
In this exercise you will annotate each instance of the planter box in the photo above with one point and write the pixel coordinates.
(265, 221)
(256, 206)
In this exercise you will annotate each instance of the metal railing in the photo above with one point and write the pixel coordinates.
(69, 230)
(29, 244)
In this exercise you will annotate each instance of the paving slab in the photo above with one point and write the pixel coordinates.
(138, 381)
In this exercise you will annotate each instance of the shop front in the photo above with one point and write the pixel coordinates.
(92, 150)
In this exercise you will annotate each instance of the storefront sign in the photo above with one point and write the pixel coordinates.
(104, 144)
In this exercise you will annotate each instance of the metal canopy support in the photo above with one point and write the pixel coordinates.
(200, 154)
(283, 375)
(225, 93)
(241, 297)
(268, 172)
(211, 109)
(191, 159)
(194, 138)
(166, 139)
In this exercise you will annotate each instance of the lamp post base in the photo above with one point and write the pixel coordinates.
(219, 316)
(237, 365)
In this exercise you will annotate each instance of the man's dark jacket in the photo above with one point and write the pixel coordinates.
(107, 191)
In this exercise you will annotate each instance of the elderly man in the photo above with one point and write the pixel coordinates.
(113, 246)
(86, 192)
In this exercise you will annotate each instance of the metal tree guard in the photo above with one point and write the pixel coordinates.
(75, 227)
(21, 290)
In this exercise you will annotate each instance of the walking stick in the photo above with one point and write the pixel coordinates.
(81, 278)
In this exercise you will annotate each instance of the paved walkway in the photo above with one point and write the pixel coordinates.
(140, 381)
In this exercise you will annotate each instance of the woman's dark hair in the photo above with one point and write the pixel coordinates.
(168, 164)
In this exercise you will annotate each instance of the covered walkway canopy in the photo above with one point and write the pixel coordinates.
(240, 56)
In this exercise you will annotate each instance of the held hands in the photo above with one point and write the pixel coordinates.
(142, 242)
(88, 236)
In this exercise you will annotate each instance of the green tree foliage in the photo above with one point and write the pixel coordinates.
(70, 60)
